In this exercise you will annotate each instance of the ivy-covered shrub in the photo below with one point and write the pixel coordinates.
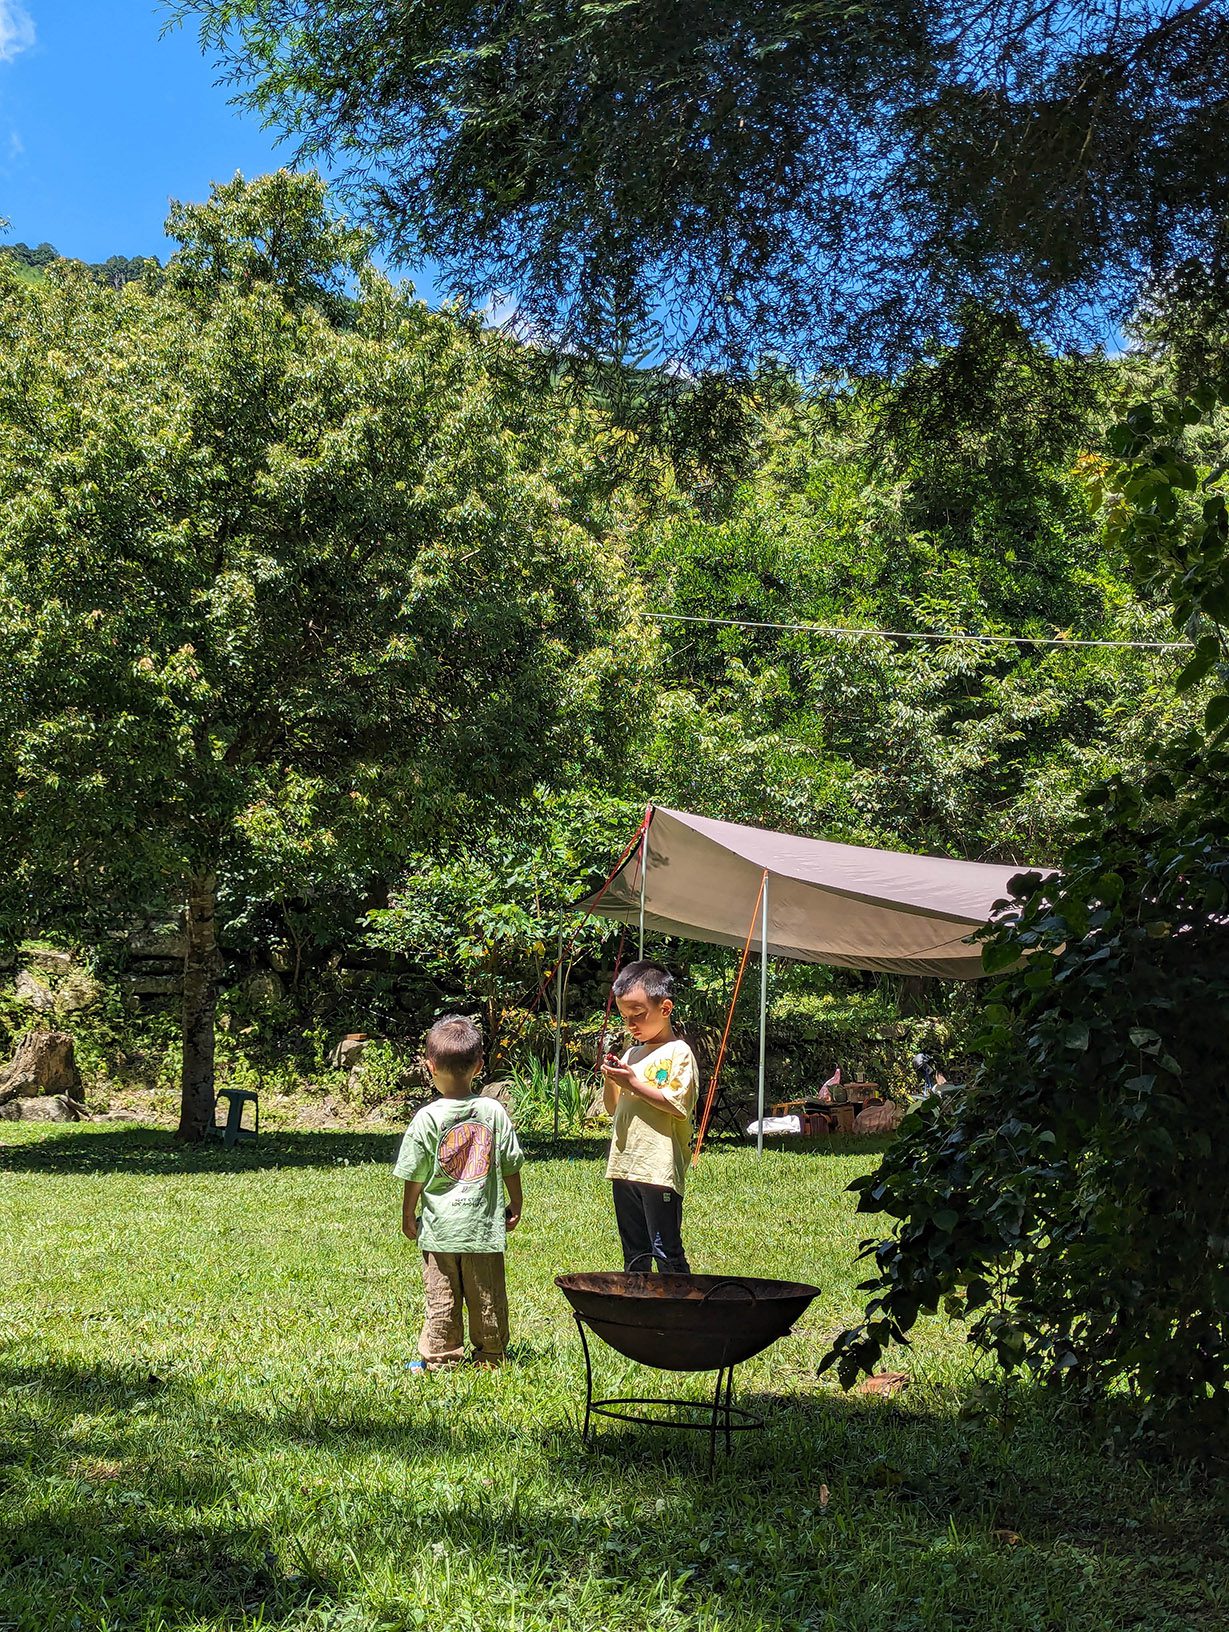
(1070, 1202)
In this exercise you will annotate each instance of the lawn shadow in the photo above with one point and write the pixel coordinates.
(134, 1495)
(82, 1149)
(102, 1520)
(838, 1502)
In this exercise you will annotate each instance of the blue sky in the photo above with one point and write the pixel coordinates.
(103, 119)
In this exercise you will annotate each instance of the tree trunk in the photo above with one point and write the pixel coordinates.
(917, 994)
(200, 998)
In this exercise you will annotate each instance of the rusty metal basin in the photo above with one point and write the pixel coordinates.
(686, 1322)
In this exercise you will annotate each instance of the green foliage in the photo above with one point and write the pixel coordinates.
(277, 231)
(30, 265)
(532, 1088)
(484, 913)
(914, 509)
(1069, 1201)
(381, 1076)
(280, 599)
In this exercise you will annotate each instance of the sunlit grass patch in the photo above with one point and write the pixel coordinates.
(206, 1423)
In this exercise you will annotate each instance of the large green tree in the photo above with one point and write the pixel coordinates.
(276, 574)
(826, 181)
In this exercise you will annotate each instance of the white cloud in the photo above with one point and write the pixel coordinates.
(16, 30)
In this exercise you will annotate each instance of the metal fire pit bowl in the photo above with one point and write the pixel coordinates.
(683, 1323)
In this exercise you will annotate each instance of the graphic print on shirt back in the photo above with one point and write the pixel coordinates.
(464, 1152)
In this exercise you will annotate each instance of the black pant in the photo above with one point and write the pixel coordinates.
(650, 1221)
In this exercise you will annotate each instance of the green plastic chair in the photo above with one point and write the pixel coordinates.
(232, 1130)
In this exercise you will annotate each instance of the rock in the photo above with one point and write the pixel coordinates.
(500, 1091)
(47, 1108)
(264, 988)
(158, 943)
(79, 991)
(281, 958)
(349, 1051)
(150, 985)
(884, 1118)
(43, 1064)
(45, 958)
(30, 991)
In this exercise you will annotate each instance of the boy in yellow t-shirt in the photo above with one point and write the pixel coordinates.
(651, 1094)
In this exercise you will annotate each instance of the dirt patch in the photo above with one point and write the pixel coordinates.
(159, 1108)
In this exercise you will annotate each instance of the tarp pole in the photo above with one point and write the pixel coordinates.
(759, 1132)
(559, 991)
(644, 873)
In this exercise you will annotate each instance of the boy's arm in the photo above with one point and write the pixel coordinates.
(515, 1198)
(409, 1208)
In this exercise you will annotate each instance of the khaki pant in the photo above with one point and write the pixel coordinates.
(477, 1279)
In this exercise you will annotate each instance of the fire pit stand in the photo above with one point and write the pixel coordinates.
(681, 1323)
(718, 1415)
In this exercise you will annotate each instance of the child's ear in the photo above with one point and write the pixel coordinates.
(667, 1005)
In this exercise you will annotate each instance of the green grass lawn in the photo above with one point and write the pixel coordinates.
(206, 1422)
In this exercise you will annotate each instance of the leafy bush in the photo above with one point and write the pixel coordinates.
(382, 1074)
(1070, 1202)
(533, 1098)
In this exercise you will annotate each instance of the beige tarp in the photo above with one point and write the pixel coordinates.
(827, 903)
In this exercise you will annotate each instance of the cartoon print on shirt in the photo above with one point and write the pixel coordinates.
(663, 1074)
(465, 1152)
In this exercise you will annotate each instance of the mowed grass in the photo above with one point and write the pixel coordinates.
(206, 1422)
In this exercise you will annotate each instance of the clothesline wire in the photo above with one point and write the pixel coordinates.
(934, 637)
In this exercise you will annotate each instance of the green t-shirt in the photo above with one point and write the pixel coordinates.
(460, 1150)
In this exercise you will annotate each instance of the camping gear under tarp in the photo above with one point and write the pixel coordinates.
(842, 904)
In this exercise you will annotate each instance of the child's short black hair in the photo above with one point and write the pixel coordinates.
(454, 1043)
(656, 981)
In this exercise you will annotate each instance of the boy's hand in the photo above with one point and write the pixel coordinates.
(622, 1074)
(512, 1217)
(409, 1228)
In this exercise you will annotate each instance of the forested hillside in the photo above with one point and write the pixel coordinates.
(31, 262)
(361, 881)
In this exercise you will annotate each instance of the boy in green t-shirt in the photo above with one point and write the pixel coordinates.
(651, 1094)
(457, 1156)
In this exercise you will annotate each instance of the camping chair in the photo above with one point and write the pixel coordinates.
(702, 1041)
(724, 1118)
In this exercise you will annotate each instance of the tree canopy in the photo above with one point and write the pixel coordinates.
(115, 271)
(739, 178)
(276, 593)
